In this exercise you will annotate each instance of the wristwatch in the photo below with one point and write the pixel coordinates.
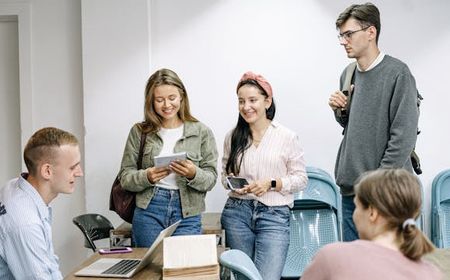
(273, 184)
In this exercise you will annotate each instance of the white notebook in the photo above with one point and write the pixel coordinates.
(190, 257)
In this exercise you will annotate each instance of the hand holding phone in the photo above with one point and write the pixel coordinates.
(116, 250)
(235, 183)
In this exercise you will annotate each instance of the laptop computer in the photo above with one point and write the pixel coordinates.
(125, 268)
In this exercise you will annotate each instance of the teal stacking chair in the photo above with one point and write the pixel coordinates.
(240, 265)
(440, 203)
(316, 170)
(315, 220)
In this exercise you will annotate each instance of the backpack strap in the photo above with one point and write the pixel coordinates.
(346, 89)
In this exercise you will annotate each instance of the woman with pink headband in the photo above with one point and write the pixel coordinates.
(269, 156)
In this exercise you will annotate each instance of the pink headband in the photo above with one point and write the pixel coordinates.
(262, 82)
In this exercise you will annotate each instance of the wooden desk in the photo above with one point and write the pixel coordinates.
(149, 272)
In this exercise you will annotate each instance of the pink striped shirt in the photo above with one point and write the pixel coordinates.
(279, 155)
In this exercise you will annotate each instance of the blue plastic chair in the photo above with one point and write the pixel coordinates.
(240, 265)
(312, 169)
(440, 203)
(315, 221)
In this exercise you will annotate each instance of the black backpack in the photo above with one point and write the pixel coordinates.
(349, 77)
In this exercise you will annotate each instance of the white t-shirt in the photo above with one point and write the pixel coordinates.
(169, 136)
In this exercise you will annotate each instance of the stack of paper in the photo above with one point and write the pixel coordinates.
(190, 257)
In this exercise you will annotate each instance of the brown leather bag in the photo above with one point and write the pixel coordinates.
(121, 201)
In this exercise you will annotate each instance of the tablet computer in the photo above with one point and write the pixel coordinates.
(165, 160)
(235, 183)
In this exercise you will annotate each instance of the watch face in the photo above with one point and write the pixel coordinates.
(273, 184)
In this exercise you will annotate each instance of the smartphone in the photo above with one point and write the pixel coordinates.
(116, 250)
(235, 183)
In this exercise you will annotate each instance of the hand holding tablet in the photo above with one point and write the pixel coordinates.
(165, 160)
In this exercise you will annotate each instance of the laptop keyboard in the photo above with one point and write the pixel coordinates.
(122, 267)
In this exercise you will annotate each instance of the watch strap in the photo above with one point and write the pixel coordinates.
(273, 184)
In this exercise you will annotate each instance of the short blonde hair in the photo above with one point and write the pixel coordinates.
(41, 146)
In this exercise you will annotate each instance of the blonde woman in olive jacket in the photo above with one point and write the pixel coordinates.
(165, 195)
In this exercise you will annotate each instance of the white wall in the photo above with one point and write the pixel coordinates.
(115, 68)
(210, 44)
(51, 95)
(57, 101)
(10, 147)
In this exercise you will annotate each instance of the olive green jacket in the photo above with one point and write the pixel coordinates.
(199, 143)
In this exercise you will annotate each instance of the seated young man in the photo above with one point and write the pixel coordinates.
(52, 157)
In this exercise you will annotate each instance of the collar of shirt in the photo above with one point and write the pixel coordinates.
(44, 210)
(274, 123)
(374, 63)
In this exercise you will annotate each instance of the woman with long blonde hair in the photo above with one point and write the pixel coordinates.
(167, 194)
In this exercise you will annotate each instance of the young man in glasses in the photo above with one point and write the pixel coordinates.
(52, 157)
(380, 119)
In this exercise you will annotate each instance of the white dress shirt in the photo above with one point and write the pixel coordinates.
(279, 155)
(26, 249)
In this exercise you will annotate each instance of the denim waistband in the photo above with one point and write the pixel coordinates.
(253, 203)
(166, 192)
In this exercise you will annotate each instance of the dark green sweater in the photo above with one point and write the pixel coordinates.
(382, 124)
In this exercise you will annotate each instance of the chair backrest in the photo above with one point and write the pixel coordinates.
(311, 229)
(313, 169)
(440, 203)
(240, 265)
(321, 192)
(93, 227)
(315, 221)
(321, 189)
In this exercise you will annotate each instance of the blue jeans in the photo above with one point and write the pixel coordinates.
(348, 226)
(163, 210)
(261, 231)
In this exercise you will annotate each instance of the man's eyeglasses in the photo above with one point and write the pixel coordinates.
(348, 34)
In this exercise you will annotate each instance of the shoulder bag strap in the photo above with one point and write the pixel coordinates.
(141, 150)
